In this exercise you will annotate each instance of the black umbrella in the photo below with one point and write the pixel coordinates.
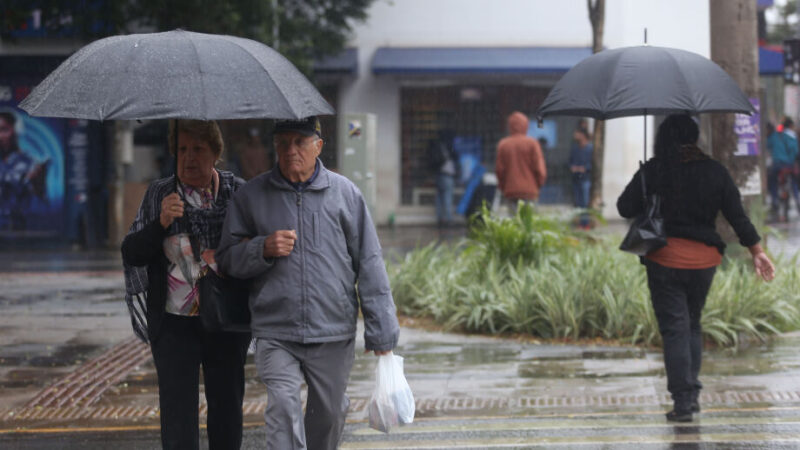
(642, 80)
(176, 74)
(633, 81)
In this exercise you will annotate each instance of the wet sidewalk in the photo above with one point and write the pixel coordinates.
(69, 364)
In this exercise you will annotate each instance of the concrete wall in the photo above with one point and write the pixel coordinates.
(458, 23)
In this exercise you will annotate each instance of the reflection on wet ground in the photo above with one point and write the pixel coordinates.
(543, 361)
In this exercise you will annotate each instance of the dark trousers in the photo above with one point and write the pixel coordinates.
(181, 348)
(678, 297)
(581, 185)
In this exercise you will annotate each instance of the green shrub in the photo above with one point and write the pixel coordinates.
(530, 274)
(526, 236)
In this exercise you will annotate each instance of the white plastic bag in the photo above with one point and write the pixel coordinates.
(392, 402)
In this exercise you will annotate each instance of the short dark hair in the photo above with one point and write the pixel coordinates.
(674, 132)
(208, 131)
(788, 122)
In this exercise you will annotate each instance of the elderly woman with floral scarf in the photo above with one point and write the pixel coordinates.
(169, 246)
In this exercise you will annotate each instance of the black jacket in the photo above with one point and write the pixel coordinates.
(146, 247)
(692, 193)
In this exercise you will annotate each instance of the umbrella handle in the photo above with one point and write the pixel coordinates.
(175, 156)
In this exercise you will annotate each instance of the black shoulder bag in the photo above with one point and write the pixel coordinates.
(647, 229)
(224, 301)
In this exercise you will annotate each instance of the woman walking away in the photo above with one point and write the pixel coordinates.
(693, 189)
(170, 245)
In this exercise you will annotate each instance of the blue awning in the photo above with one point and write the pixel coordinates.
(474, 60)
(345, 63)
(770, 62)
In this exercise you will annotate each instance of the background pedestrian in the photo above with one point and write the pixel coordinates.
(580, 165)
(520, 166)
(443, 162)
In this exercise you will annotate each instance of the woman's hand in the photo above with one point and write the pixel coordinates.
(171, 208)
(761, 262)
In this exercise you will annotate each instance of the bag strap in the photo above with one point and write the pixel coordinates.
(644, 184)
(195, 248)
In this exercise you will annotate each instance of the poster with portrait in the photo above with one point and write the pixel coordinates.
(32, 168)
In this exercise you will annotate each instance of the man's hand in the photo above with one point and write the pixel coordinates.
(379, 352)
(279, 243)
(171, 208)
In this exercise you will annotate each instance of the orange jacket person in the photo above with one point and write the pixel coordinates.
(520, 166)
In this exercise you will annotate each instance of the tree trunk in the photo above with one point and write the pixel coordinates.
(734, 38)
(597, 14)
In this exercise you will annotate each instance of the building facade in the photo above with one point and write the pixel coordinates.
(423, 66)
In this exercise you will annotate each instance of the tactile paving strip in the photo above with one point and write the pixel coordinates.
(358, 406)
(84, 386)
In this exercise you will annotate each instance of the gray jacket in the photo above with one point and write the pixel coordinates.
(313, 294)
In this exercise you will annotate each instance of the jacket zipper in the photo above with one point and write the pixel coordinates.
(303, 296)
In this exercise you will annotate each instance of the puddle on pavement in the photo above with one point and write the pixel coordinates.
(556, 361)
(778, 355)
(25, 378)
(42, 355)
(578, 369)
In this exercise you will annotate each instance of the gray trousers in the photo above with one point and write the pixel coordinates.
(325, 368)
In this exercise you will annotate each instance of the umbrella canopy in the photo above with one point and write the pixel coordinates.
(176, 74)
(643, 80)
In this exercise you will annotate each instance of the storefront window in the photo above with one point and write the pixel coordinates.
(476, 116)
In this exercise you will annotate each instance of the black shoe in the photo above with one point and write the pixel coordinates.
(695, 407)
(679, 416)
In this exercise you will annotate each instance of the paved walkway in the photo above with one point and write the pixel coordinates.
(68, 364)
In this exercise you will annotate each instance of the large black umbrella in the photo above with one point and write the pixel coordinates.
(176, 74)
(642, 80)
(633, 81)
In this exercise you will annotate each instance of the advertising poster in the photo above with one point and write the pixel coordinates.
(747, 129)
(32, 169)
(547, 134)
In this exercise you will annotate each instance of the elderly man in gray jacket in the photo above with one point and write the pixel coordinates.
(304, 236)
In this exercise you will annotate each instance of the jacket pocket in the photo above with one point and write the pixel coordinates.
(348, 298)
(315, 226)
